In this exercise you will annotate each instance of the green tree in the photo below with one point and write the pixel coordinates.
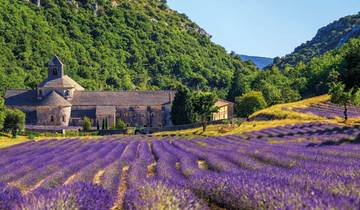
(106, 124)
(14, 121)
(350, 73)
(120, 124)
(97, 125)
(2, 113)
(87, 124)
(343, 97)
(182, 110)
(249, 103)
(204, 107)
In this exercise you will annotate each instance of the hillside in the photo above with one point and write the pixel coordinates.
(260, 62)
(330, 37)
(110, 45)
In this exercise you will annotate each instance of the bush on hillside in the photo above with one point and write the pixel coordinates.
(249, 103)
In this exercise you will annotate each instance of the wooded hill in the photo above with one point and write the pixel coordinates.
(330, 37)
(110, 45)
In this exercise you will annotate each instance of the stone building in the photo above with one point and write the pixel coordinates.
(225, 110)
(60, 101)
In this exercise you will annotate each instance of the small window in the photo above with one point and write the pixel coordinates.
(52, 119)
(40, 93)
(55, 72)
(64, 118)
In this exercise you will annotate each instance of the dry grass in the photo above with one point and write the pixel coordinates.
(278, 115)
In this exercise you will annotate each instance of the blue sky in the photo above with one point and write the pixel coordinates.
(264, 27)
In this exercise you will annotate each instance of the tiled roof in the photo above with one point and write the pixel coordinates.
(65, 82)
(222, 102)
(88, 98)
(20, 98)
(122, 98)
(55, 61)
(54, 99)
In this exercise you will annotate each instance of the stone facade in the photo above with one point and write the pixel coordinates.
(60, 101)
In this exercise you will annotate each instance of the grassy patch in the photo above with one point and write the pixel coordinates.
(274, 116)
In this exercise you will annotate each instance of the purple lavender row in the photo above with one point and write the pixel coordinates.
(42, 170)
(159, 193)
(166, 163)
(138, 171)
(216, 162)
(111, 178)
(254, 190)
(88, 173)
(24, 155)
(188, 162)
(58, 178)
(21, 168)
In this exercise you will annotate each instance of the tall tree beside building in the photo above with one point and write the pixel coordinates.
(204, 107)
(182, 111)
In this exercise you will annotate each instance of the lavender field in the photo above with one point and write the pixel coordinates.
(304, 166)
(328, 110)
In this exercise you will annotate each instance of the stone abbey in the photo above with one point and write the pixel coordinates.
(60, 101)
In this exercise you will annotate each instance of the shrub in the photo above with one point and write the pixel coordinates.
(249, 103)
(86, 124)
(120, 124)
(14, 121)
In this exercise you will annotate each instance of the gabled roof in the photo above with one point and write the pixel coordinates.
(222, 102)
(122, 98)
(54, 99)
(62, 82)
(20, 97)
(55, 61)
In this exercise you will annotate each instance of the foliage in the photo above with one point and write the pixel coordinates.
(2, 113)
(350, 71)
(315, 77)
(87, 124)
(14, 121)
(249, 103)
(182, 110)
(131, 45)
(343, 97)
(274, 85)
(204, 107)
(120, 124)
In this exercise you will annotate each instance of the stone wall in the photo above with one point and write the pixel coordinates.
(55, 116)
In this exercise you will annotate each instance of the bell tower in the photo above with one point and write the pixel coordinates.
(56, 68)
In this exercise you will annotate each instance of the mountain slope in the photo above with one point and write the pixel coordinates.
(327, 38)
(260, 62)
(109, 44)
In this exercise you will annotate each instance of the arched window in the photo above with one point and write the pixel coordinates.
(67, 93)
(64, 118)
(52, 119)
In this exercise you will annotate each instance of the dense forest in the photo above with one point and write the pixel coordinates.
(330, 37)
(106, 45)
